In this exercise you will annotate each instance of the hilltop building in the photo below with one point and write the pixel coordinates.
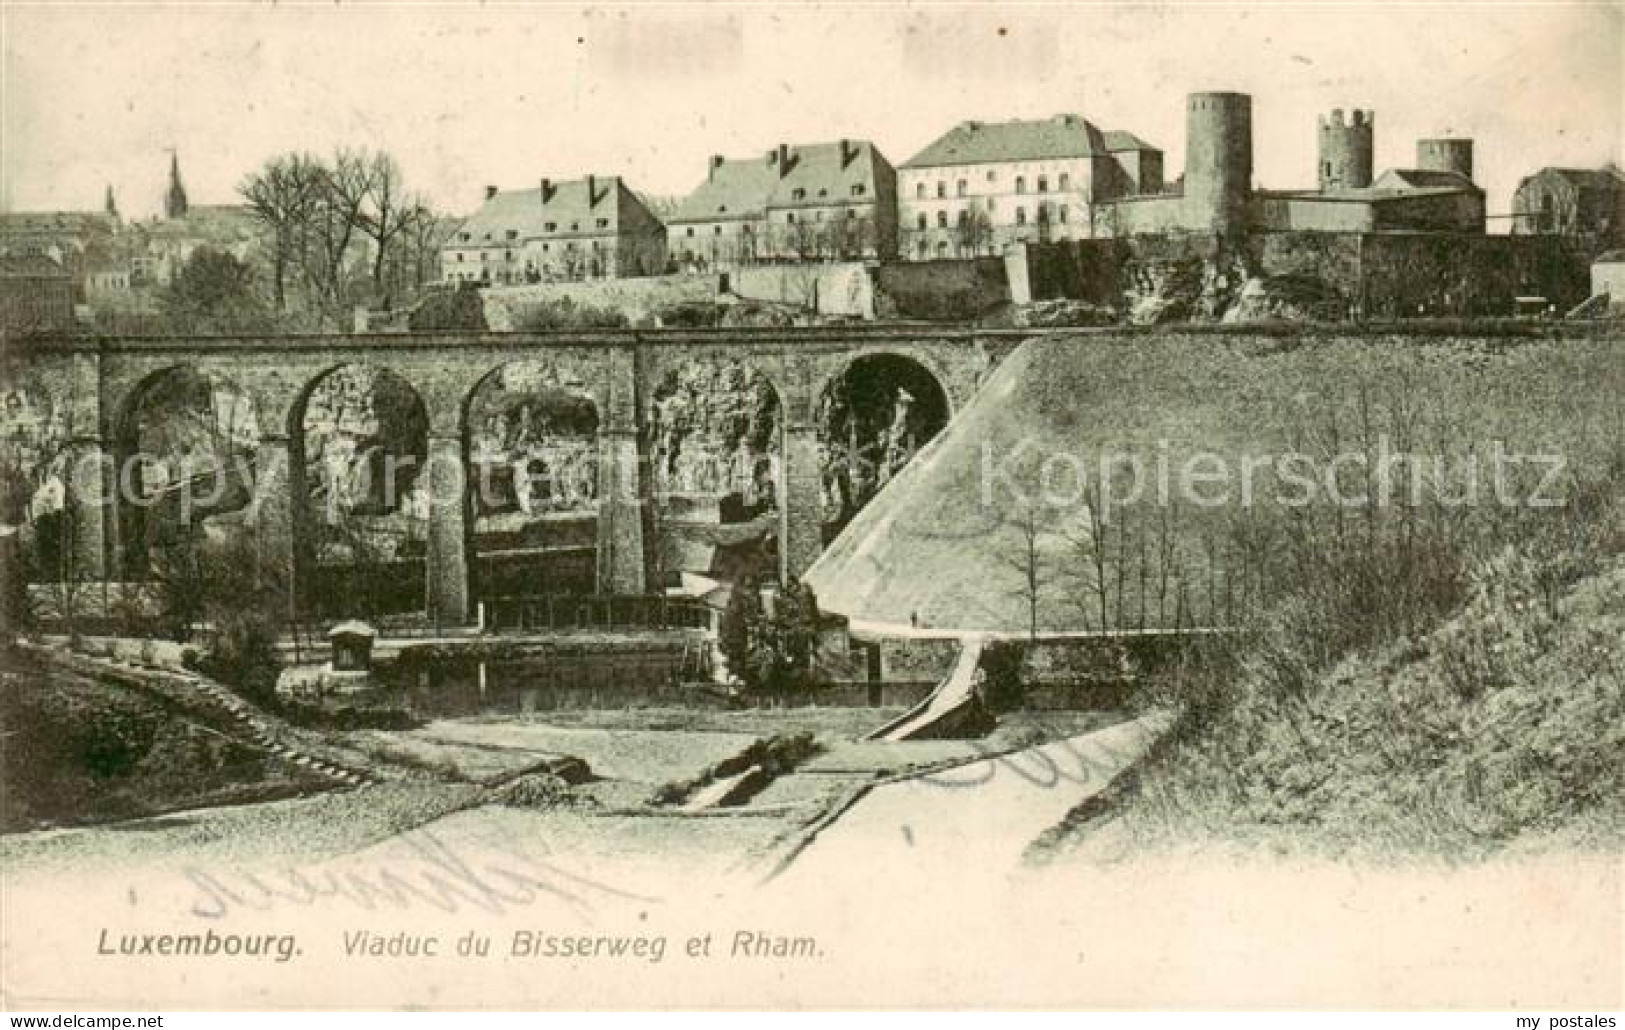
(589, 228)
(1217, 194)
(811, 201)
(1572, 202)
(983, 185)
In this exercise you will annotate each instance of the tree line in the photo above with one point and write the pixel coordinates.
(342, 230)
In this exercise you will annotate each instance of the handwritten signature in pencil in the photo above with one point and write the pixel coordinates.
(432, 875)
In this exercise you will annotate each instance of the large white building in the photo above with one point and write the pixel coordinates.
(984, 185)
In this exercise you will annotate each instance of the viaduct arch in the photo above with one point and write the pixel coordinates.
(618, 371)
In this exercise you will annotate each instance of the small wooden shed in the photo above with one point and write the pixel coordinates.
(352, 646)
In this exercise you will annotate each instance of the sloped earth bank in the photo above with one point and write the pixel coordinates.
(80, 749)
(1500, 732)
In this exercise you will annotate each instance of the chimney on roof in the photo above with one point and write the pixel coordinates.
(716, 162)
(490, 191)
(849, 152)
(547, 190)
(784, 159)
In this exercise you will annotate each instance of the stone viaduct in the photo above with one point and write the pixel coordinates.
(102, 381)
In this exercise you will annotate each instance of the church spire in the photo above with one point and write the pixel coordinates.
(111, 204)
(175, 199)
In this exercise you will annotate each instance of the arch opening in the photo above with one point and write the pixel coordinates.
(533, 461)
(360, 451)
(872, 419)
(184, 468)
(715, 433)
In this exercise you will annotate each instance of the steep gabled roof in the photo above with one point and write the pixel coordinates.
(1421, 179)
(1584, 178)
(1118, 140)
(733, 189)
(1065, 135)
(824, 173)
(570, 206)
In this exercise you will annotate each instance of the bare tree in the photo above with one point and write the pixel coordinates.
(321, 213)
(283, 195)
(1027, 561)
(1167, 555)
(1092, 570)
(423, 235)
(974, 230)
(802, 239)
(69, 583)
(852, 237)
(385, 212)
(345, 186)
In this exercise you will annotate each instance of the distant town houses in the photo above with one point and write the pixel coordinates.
(984, 185)
(799, 202)
(106, 257)
(1572, 202)
(976, 190)
(562, 230)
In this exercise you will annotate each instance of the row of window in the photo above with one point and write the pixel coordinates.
(597, 246)
(962, 187)
(800, 193)
(789, 219)
(1021, 216)
(818, 216)
(513, 234)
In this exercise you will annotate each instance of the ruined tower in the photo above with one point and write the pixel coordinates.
(1346, 149)
(1218, 161)
(1445, 155)
(175, 199)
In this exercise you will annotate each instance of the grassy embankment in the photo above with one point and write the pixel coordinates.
(76, 751)
(1435, 678)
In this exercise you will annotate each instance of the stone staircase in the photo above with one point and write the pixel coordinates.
(191, 690)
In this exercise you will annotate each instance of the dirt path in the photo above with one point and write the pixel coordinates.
(978, 817)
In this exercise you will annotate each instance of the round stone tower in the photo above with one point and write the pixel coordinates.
(1218, 161)
(1445, 155)
(1346, 149)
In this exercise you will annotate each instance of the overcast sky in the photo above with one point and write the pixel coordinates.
(469, 95)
